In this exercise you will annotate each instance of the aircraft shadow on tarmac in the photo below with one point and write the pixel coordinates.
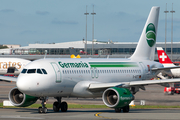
(34, 110)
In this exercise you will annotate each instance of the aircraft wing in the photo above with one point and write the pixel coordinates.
(94, 86)
(8, 78)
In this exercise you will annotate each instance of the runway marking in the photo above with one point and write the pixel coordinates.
(98, 115)
(18, 116)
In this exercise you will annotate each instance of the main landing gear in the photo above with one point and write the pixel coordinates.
(60, 105)
(56, 106)
(43, 109)
(125, 109)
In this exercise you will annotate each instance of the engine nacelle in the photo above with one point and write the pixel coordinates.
(117, 97)
(20, 99)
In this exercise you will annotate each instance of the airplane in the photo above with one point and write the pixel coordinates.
(166, 61)
(12, 66)
(116, 80)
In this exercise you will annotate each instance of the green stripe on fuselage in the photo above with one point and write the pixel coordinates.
(113, 64)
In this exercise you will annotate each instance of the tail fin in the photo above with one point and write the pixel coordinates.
(163, 57)
(146, 45)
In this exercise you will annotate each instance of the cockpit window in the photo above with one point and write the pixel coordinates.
(44, 71)
(31, 71)
(24, 71)
(39, 71)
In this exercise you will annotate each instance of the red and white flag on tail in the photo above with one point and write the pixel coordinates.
(163, 57)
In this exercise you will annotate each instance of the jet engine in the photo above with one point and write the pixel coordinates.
(20, 99)
(117, 97)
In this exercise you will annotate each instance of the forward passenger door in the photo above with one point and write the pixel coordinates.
(57, 72)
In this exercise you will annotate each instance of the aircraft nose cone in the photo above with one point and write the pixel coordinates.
(22, 84)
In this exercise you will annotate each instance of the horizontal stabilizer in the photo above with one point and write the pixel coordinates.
(165, 68)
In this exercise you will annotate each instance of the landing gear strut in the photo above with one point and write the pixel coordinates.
(125, 109)
(58, 104)
(43, 109)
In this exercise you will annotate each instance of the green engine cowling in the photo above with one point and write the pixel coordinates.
(117, 97)
(20, 99)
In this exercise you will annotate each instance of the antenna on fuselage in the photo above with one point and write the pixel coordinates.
(45, 54)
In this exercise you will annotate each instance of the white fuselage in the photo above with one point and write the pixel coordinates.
(15, 63)
(64, 74)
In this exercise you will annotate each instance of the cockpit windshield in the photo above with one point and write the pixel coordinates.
(39, 71)
(44, 71)
(24, 71)
(30, 71)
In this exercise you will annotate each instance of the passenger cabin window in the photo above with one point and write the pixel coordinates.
(44, 71)
(24, 71)
(31, 71)
(39, 71)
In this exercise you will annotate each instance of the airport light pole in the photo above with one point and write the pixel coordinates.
(86, 31)
(93, 13)
(165, 24)
(172, 31)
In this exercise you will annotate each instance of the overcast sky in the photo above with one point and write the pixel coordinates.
(53, 21)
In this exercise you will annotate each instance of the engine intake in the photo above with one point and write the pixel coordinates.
(117, 97)
(20, 99)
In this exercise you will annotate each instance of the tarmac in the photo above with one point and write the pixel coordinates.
(152, 96)
(89, 114)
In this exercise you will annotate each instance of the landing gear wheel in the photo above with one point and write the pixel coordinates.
(40, 110)
(64, 107)
(44, 110)
(118, 110)
(126, 109)
(56, 107)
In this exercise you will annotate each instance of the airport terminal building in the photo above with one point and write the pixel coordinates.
(116, 49)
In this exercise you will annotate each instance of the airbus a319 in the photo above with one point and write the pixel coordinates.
(115, 80)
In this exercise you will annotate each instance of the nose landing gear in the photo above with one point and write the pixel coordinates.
(58, 104)
(43, 109)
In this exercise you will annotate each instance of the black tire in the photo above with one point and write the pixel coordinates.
(56, 107)
(126, 109)
(44, 110)
(64, 107)
(40, 110)
(117, 110)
